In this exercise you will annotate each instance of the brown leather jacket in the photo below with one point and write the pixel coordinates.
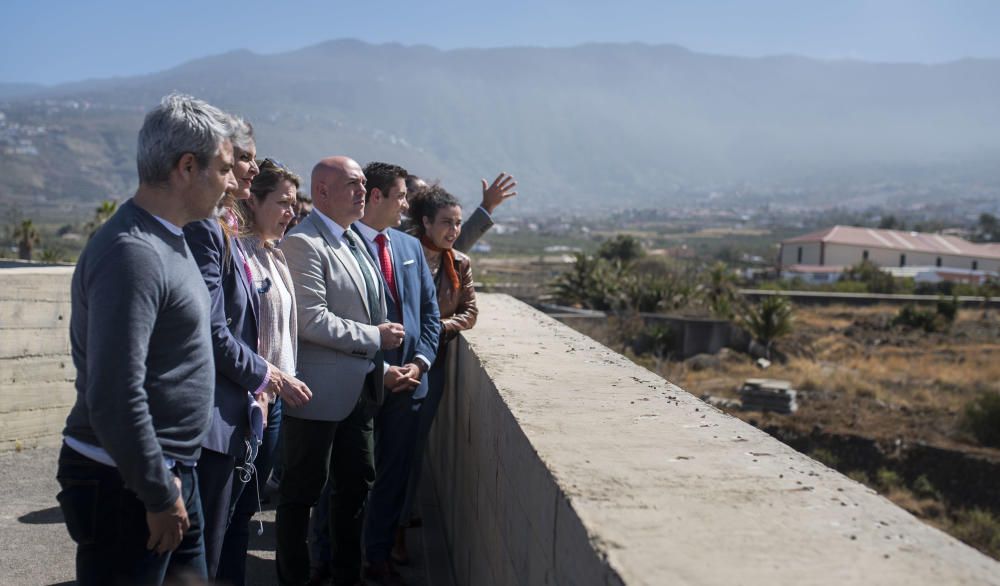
(458, 308)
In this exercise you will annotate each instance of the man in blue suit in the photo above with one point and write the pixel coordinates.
(412, 301)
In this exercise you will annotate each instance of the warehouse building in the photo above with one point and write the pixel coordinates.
(822, 256)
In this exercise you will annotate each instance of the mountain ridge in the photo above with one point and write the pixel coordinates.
(633, 123)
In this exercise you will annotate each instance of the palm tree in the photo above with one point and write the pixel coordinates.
(102, 214)
(769, 320)
(27, 237)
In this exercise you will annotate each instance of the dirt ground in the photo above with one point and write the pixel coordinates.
(858, 374)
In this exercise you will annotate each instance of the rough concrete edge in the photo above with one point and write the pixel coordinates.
(602, 554)
(606, 554)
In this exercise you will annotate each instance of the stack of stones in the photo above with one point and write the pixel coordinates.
(766, 394)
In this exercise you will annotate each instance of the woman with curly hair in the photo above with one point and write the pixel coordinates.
(437, 222)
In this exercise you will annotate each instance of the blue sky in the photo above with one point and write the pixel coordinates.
(52, 41)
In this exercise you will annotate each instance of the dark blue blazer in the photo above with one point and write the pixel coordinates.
(418, 297)
(238, 367)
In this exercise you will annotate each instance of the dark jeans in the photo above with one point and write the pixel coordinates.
(435, 391)
(313, 452)
(233, 560)
(395, 434)
(108, 523)
(220, 486)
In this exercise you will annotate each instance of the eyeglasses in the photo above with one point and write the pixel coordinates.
(265, 286)
(269, 162)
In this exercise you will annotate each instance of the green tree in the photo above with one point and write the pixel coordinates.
(102, 214)
(768, 321)
(988, 290)
(648, 292)
(622, 248)
(987, 229)
(719, 291)
(891, 223)
(875, 279)
(591, 282)
(27, 237)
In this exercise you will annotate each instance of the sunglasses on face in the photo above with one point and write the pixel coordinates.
(272, 163)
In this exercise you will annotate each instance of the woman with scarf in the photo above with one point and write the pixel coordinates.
(437, 222)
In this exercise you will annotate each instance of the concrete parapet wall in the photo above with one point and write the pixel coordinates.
(558, 461)
(36, 371)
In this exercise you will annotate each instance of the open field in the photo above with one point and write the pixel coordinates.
(860, 374)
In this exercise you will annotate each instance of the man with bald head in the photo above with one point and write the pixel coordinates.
(343, 332)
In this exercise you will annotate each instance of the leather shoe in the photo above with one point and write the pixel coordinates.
(383, 574)
(320, 576)
(398, 552)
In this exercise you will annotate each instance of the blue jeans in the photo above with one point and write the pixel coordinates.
(108, 523)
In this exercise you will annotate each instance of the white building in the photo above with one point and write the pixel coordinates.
(822, 256)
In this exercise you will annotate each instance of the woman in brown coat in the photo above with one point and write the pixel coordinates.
(437, 219)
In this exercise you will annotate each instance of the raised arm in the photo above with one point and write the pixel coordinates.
(481, 219)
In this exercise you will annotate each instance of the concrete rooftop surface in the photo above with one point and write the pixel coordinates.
(553, 461)
(35, 548)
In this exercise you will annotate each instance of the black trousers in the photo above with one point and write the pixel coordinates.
(313, 452)
(108, 523)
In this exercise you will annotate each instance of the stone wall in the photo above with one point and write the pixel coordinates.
(558, 461)
(36, 371)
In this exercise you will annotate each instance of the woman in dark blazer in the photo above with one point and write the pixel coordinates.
(244, 381)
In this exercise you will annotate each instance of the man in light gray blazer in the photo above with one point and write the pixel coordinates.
(343, 332)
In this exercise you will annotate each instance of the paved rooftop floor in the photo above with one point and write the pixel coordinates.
(35, 548)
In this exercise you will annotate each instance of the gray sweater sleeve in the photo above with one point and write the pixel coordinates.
(125, 291)
(473, 229)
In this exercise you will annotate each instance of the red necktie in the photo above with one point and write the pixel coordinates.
(385, 264)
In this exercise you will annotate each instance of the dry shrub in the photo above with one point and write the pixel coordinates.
(809, 375)
(836, 347)
(978, 528)
(982, 419)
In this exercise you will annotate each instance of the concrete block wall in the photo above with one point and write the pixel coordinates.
(36, 371)
(558, 461)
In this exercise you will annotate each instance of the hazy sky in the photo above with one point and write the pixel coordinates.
(51, 41)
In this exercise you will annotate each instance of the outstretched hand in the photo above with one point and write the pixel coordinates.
(501, 189)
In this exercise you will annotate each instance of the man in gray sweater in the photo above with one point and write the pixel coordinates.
(141, 345)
